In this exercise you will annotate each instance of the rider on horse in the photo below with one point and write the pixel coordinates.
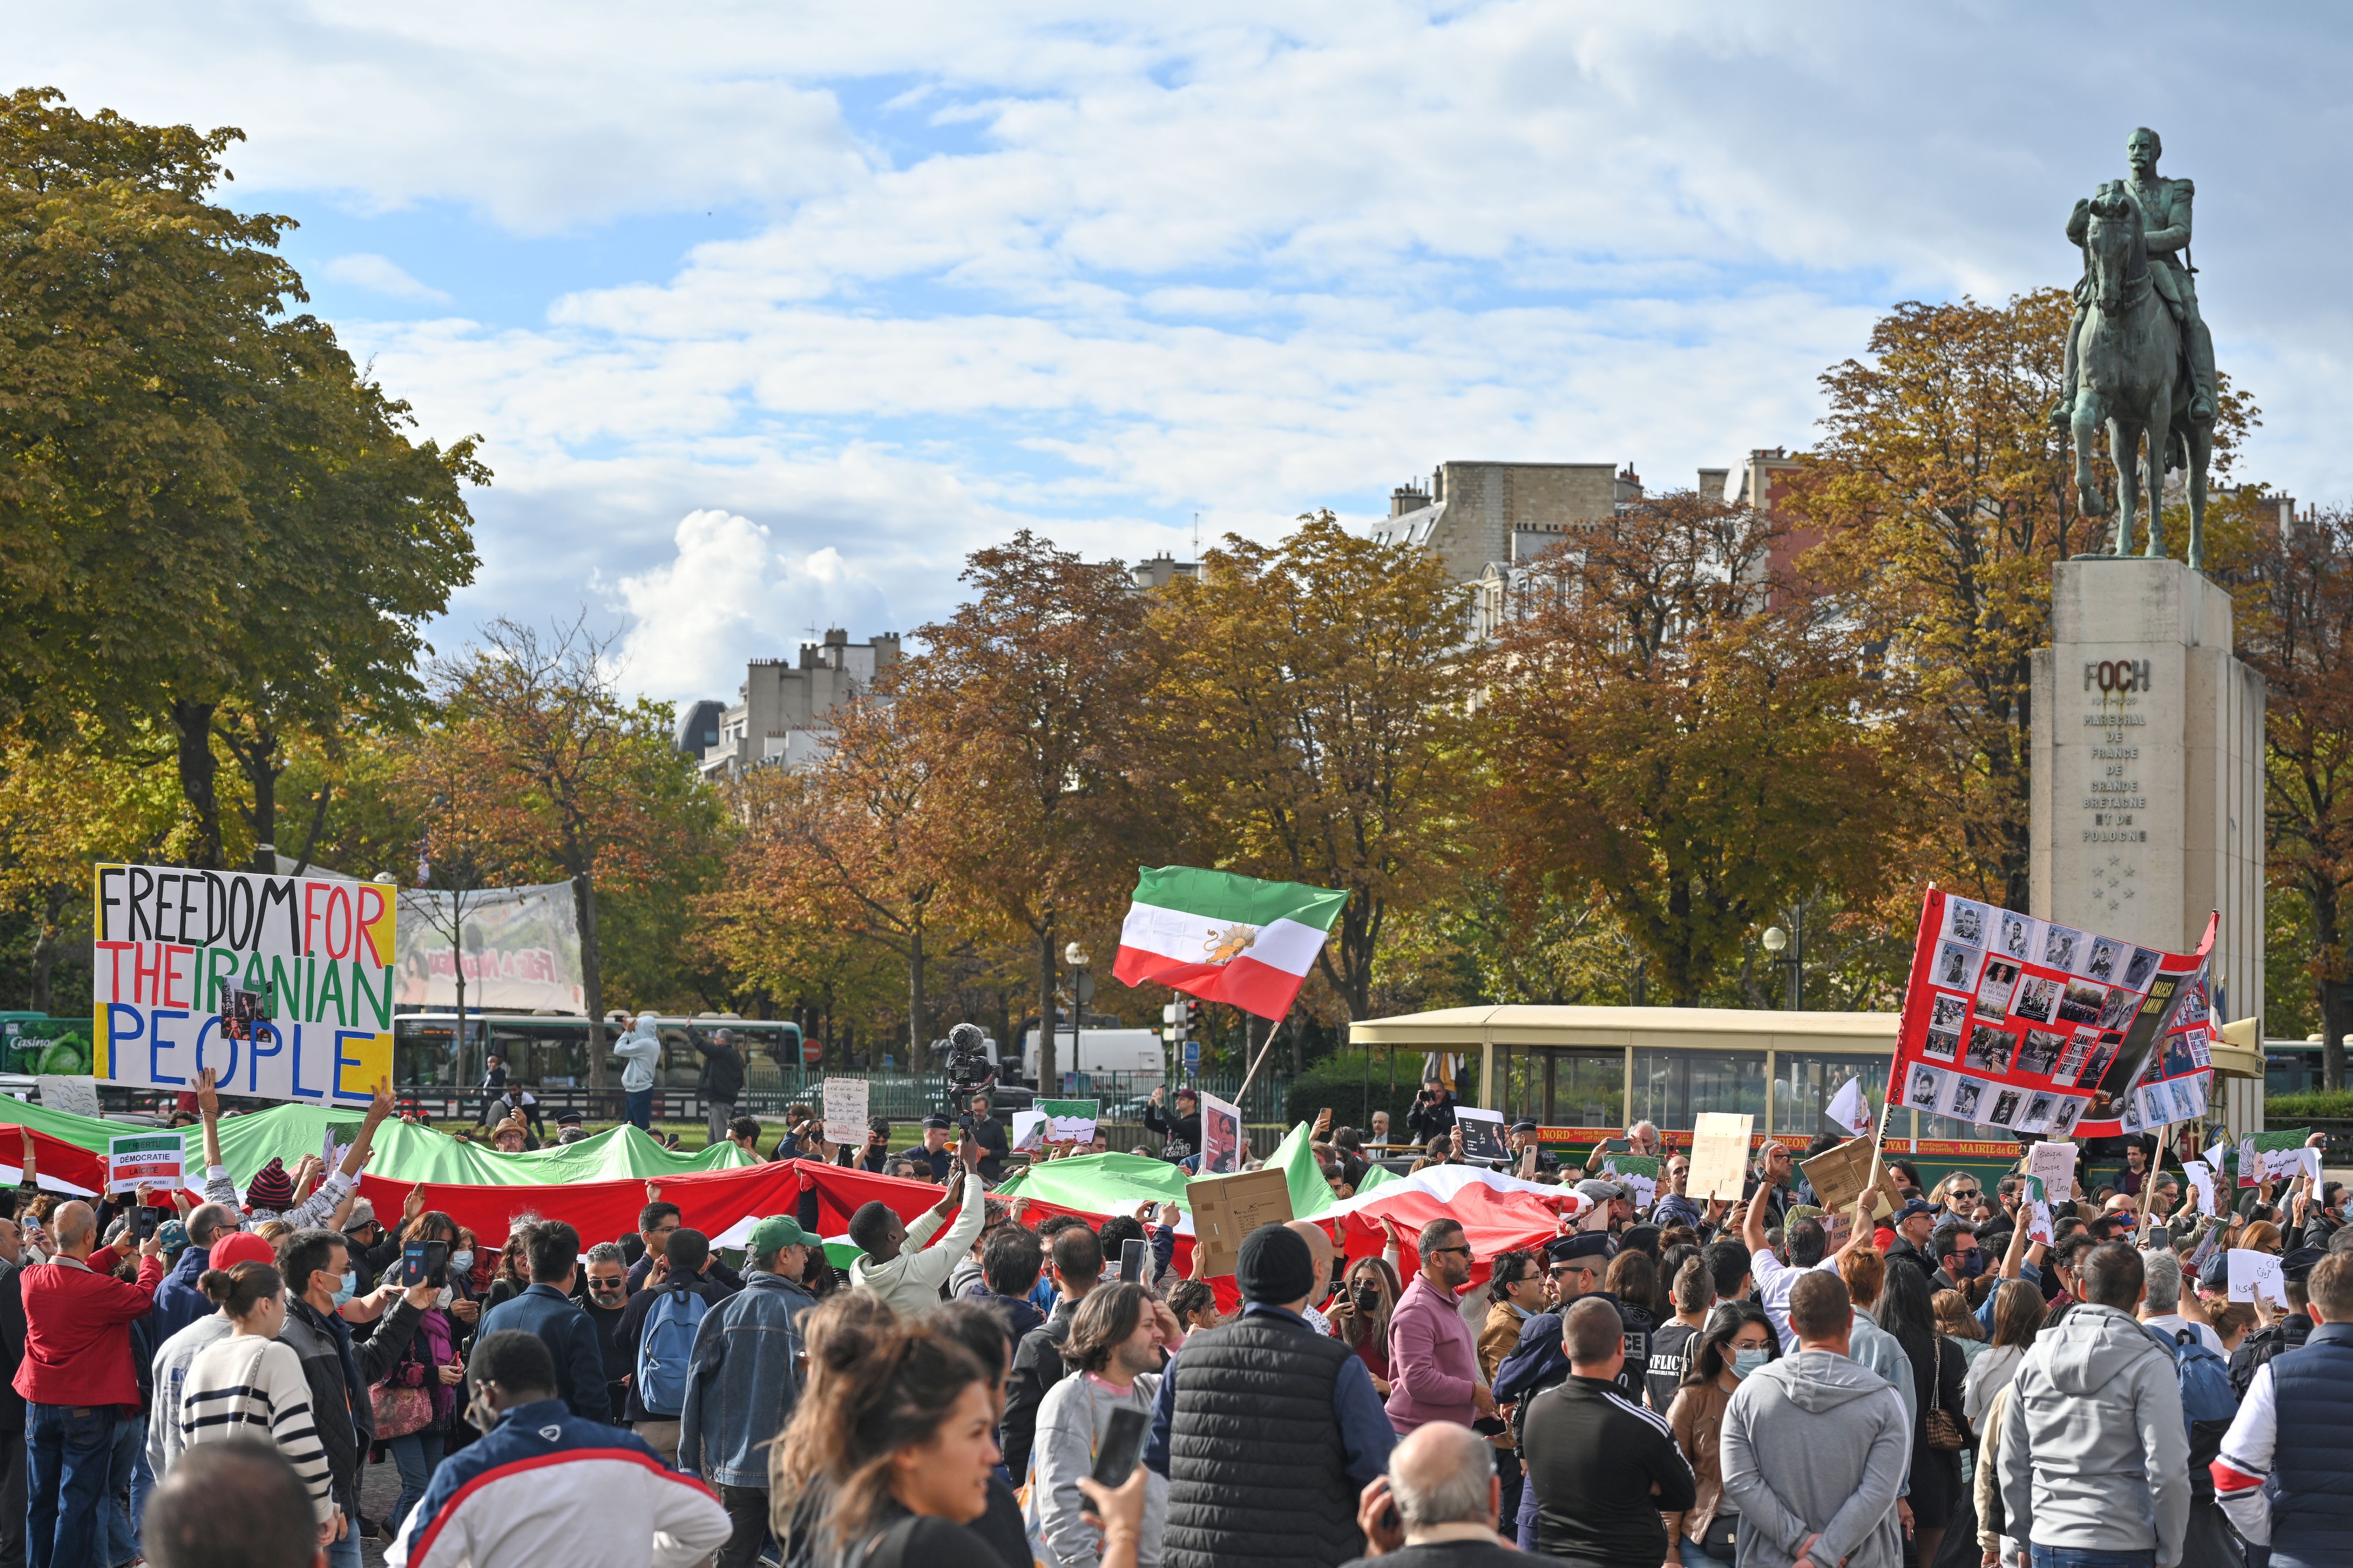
(2165, 220)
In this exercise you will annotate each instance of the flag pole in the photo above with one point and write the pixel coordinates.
(1260, 1060)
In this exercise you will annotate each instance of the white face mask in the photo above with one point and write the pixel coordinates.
(447, 1296)
(461, 1262)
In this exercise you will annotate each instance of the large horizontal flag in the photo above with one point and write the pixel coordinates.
(2032, 1026)
(1225, 938)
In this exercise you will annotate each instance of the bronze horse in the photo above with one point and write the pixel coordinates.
(2134, 378)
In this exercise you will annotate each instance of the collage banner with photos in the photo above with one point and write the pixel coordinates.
(2017, 1023)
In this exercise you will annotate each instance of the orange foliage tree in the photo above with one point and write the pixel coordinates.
(1670, 724)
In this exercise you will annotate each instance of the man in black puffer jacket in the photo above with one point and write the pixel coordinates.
(1267, 1430)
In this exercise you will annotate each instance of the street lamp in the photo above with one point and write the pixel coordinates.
(1776, 941)
(1083, 991)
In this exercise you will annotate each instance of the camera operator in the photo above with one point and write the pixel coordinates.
(1433, 1115)
(875, 1153)
(989, 1133)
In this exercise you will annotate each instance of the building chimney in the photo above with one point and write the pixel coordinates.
(1406, 498)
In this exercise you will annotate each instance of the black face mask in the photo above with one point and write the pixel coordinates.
(1368, 1297)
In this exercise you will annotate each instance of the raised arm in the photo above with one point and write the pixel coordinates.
(208, 1108)
(379, 1108)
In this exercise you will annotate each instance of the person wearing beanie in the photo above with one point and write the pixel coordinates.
(270, 1194)
(1271, 1431)
(745, 1382)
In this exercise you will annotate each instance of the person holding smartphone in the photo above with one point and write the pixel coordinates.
(1119, 1339)
(1433, 1115)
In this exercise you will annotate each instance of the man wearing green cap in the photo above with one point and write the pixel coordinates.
(745, 1381)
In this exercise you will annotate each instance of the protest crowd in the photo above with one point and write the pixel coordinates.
(1666, 1381)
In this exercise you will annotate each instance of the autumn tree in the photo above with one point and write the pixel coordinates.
(63, 809)
(1030, 702)
(556, 776)
(857, 844)
(204, 504)
(1311, 713)
(1942, 496)
(2301, 637)
(1669, 723)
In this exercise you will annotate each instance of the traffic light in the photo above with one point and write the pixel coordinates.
(1178, 1018)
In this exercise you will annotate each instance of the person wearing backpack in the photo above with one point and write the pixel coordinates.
(2209, 1404)
(658, 1328)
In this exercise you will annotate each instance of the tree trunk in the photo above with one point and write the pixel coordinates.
(592, 984)
(45, 949)
(254, 762)
(198, 771)
(2334, 1011)
(918, 1032)
(1045, 1077)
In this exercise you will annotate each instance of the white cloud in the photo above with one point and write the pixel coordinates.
(1093, 268)
(381, 275)
(726, 595)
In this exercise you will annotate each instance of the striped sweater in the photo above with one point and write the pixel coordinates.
(247, 1383)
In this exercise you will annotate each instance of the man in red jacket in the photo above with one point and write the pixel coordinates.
(75, 1377)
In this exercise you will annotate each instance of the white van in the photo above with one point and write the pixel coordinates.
(1137, 1052)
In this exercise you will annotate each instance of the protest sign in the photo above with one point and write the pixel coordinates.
(1719, 1155)
(846, 1100)
(1848, 1111)
(173, 949)
(2201, 1186)
(1837, 1176)
(2274, 1155)
(1071, 1121)
(2054, 1165)
(2036, 1198)
(1225, 1209)
(75, 1095)
(1482, 1134)
(1222, 1143)
(1029, 1129)
(2031, 1026)
(158, 1159)
(1640, 1171)
(2253, 1272)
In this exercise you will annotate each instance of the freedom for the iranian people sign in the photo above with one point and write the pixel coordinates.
(282, 984)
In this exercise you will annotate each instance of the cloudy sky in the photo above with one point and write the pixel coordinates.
(768, 313)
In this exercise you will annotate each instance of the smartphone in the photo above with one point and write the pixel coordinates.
(1131, 1254)
(1616, 1146)
(423, 1262)
(1123, 1446)
(149, 1219)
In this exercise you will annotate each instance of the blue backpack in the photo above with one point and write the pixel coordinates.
(2209, 1402)
(667, 1347)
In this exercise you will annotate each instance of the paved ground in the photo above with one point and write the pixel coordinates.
(379, 1485)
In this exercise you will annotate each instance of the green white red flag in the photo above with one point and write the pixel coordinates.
(1225, 938)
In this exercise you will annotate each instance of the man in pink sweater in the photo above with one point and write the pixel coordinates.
(1433, 1354)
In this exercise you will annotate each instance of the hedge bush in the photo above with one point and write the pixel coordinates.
(2316, 1104)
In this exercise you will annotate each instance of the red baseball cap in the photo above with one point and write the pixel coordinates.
(240, 1247)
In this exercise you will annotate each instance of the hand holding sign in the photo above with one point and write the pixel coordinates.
(2255, 1276)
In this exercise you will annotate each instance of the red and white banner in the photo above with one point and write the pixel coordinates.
(2032, 1026)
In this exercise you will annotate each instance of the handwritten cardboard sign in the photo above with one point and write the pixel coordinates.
(1226, 1209)
(1838, 1175)
(1719, 1155)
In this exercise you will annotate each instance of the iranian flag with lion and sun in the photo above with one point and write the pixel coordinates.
(1224, 938)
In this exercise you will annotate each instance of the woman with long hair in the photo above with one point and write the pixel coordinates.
(1362, 1319)
(1958, 1324)
(1939, 1373)
(513, 1276)
(2018, 1317)
(2261, 1236)
(1737, 1339)
(910, 1420)
(834, 1334)
(249, 1384)
(418, 1398)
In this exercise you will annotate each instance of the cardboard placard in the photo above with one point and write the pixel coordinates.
(1482, 1134)
(1837, 1176)
(1719, 1155)
(1226, 1209)
(158, 1159)
(846, 1100)
(1029, 1129)
(2201, 1184)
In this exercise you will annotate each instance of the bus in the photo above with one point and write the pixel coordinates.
(548, 1053)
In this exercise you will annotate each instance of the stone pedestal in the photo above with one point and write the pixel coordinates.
(2149, 788)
